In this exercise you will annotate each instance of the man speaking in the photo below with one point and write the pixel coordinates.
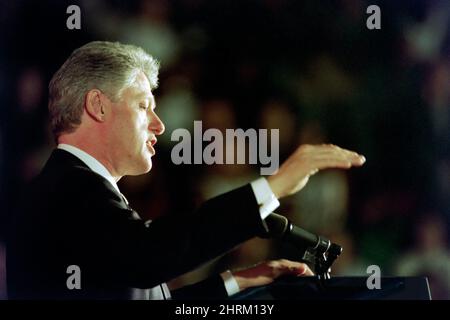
(74, 217)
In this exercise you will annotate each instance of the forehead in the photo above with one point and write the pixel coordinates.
(142, 82)
(141, 87)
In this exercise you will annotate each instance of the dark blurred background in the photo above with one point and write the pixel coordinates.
(312, 69)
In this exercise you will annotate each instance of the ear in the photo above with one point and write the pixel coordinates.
(95, 105)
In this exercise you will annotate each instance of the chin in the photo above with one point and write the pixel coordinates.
(144, 165)
(148, 164)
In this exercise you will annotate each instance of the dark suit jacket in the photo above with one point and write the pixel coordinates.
(72, 216)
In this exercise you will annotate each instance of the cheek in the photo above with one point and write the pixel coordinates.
(140, 131)
(130, 131)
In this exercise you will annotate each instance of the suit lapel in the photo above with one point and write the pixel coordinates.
(61, 159)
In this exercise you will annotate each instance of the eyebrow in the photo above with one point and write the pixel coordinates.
(148, 97)
(144, 96)
(152, 102)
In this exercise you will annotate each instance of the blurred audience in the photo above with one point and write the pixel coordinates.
(429, 255)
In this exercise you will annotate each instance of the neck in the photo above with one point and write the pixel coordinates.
(94, 149)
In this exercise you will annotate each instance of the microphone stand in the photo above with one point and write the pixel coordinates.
(321, 257)
(318, 252)
(322, 262)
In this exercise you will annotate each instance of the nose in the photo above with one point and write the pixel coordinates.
(156, 125)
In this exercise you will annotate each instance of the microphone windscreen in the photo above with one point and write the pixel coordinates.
(276, 225)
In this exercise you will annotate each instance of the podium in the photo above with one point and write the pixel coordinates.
(339, 288)
(320, 253)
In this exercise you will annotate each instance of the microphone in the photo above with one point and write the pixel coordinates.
(318, 251)
(280, 227)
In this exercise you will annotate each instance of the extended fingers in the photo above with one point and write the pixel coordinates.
(329, 156)
(329, 149)
(307, 160)
(293, 267)
(322, 162)
(307, 271)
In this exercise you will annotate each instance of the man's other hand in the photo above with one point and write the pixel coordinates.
(307, 160)
(266, 272)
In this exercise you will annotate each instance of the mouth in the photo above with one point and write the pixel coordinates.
(150, 143)
(150, 146)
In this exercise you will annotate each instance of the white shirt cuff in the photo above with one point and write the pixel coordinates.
(166, 291)
(230, 283)
(265, 197)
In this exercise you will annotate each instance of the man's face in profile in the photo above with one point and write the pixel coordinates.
(133, 127)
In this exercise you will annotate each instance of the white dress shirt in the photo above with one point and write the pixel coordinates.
(263, 193)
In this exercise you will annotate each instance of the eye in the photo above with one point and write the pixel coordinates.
(143, 106)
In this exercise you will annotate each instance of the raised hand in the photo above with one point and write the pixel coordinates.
(307, 160)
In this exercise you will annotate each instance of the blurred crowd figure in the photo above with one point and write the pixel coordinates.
(311, 70)
(429, 255)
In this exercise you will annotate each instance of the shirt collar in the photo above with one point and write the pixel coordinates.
(91, 162)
